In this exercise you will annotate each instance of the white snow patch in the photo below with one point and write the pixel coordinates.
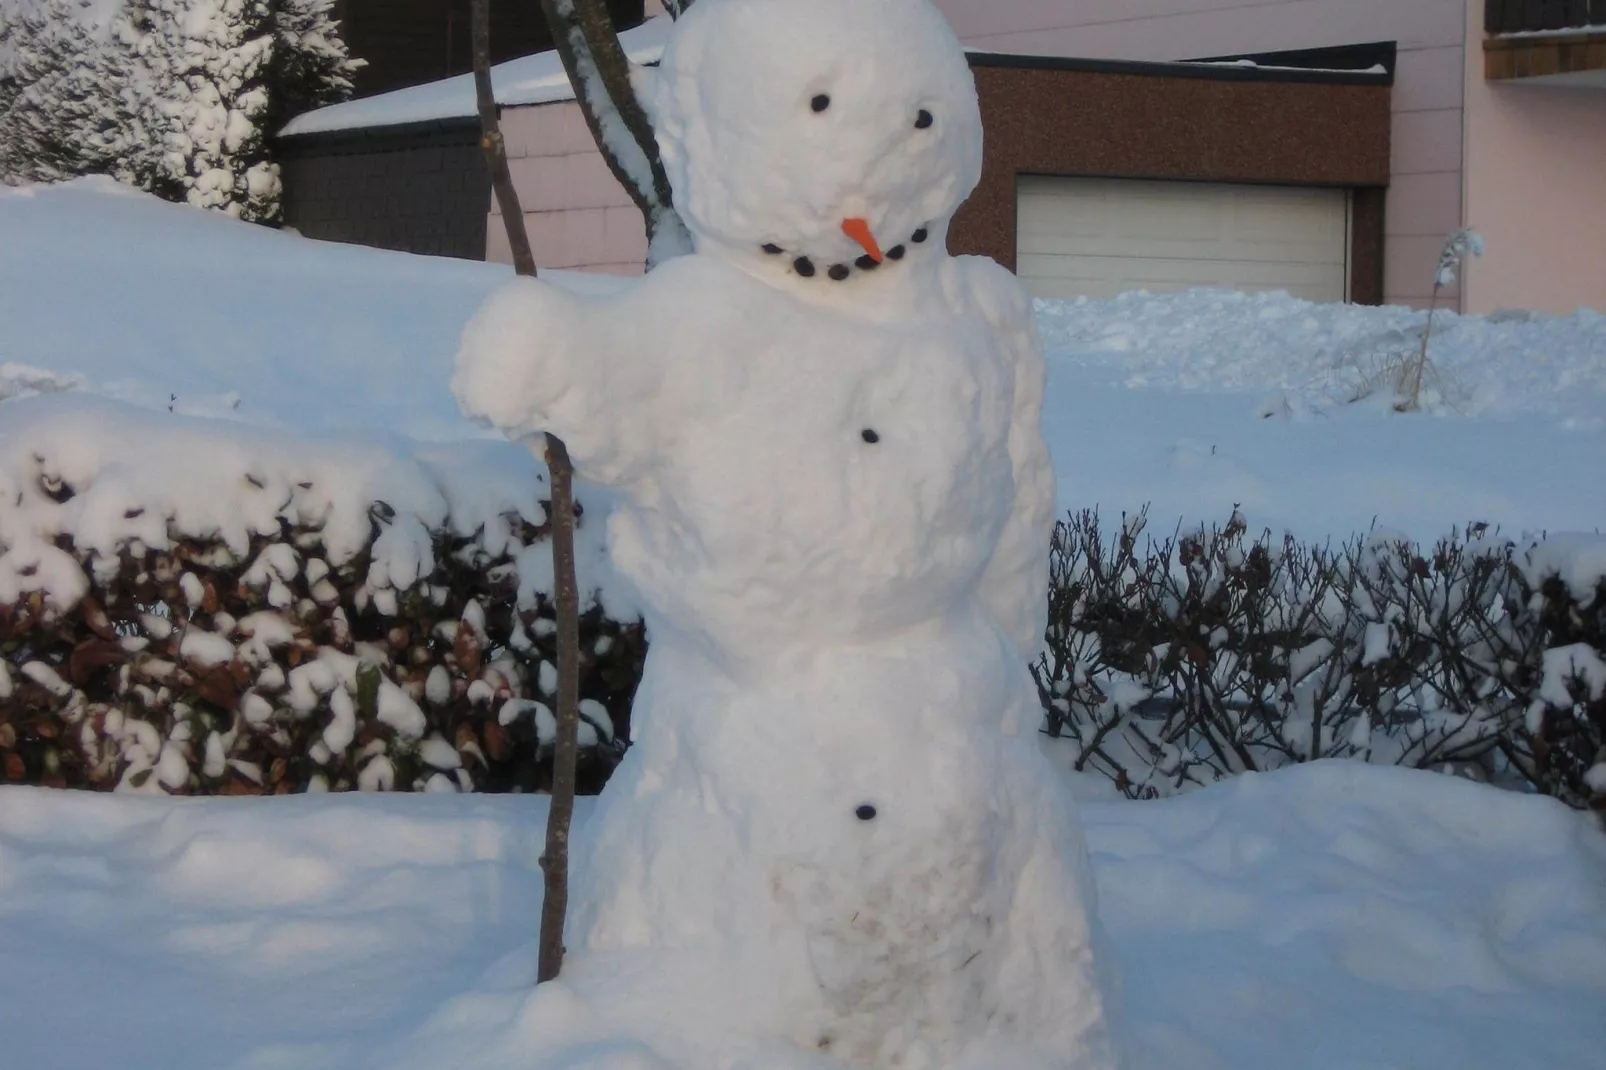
(1341, 915)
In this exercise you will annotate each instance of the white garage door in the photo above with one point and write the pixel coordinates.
(1098, 237)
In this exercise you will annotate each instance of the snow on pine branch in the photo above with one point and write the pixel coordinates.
(1211, 653)
(176, 96)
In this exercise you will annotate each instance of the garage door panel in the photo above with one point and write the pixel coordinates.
(1109, 277)
(1172, 248)
(1100, 237)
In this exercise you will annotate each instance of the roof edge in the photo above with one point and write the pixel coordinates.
(375, 138)
(1203, 71)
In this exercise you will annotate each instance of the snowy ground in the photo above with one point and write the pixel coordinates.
(1192, 402)
(1332, 916)
(1336, 916)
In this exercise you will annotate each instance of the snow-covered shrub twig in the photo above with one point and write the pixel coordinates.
(1458, 247)
(1210, 653)
(197, 668)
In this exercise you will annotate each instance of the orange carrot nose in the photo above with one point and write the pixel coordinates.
(859, 231)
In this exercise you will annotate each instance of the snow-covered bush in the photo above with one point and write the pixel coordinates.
(187, 608)
(207, 63)
(309, 65)
(1182, 661)
(198, 606)
(177, 96)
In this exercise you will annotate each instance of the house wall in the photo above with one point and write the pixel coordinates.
(409, 42)
(1424, 199)
(578, 215)
(1545, 252)
(1422, 204)
(417, 189)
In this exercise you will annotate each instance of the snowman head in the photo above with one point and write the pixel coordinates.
(823, 138)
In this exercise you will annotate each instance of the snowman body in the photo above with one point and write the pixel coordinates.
(835, 504)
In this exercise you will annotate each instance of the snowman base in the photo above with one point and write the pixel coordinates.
(908, 890)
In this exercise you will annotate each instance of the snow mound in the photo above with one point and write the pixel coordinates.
(119, 293)
(1327, 916)
(1310, 357)
(1190, 402)
(1346, 915)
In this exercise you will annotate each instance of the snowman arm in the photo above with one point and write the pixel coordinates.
(538, 358)
(1014, 587)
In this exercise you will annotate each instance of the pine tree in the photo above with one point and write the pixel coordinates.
(65, 101)
(207, 63)
(14, 38)
(310, 65)
(178, 97)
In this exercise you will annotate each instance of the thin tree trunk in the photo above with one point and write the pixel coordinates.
(566, 593)
(566, 749)
(507, 196)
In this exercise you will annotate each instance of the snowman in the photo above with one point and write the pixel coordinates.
(834, 842)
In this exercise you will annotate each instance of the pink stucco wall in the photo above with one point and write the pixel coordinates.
(578, 215)
(1536, 191)
(570, 203)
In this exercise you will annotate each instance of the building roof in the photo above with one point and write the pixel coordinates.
(537, 79)
(541, 79)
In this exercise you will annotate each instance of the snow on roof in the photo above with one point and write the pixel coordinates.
(537, 79)
(1589, 29)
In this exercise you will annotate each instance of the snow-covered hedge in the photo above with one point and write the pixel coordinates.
(1189, 659)
(198, 608)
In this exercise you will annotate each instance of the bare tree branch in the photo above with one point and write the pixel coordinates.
(600, 73)
(566, 593)
(507, 195)
(566, 750)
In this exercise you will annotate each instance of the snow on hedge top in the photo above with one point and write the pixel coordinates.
(112, 477)
(537, 79)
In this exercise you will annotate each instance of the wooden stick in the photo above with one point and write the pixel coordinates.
(566, 593)
(507, 196)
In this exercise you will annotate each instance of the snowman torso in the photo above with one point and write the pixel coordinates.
(827, 477)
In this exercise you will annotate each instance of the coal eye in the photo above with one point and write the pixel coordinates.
(923, 120)
(820, 103)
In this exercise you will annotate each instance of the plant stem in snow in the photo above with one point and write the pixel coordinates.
(1412, 399)
(566, 593)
